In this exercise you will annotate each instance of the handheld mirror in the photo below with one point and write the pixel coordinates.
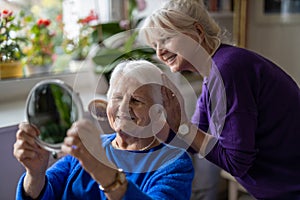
(52, 106)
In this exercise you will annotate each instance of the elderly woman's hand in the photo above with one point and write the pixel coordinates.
(83, 142)
(28, 152)
(173, 104)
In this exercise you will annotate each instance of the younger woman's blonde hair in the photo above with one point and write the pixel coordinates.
(180, 16)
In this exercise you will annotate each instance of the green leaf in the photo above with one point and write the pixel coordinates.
(109, 29)
(130, 42)
(107, 56)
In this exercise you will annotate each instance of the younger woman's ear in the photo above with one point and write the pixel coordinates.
(199, 29)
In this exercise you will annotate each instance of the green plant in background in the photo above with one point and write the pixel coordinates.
(79, 47)
(106, 57)
(10, 39)
(40, 50)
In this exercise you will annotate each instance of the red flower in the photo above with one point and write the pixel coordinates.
(43, 22)
(47, 22)
(59, 18)
(92, 16)
(6, 13)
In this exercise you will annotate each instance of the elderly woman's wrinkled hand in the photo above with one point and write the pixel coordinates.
(83, 142)
(28, 152)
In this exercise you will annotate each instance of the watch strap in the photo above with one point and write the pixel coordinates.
(120, 179)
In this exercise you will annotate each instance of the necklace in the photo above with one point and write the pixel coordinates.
(116, 146)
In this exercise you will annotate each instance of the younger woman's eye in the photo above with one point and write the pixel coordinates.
(154, 45)
(165, 40)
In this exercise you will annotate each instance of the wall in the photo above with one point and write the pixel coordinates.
(10, 170)
(278, 41)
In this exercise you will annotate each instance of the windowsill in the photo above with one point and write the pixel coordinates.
(14, 93)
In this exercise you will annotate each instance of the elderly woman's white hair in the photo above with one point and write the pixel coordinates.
(142, 71)
(180, 16)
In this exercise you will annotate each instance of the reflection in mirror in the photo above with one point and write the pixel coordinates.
(52, 107)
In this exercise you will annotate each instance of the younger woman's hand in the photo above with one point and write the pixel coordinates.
(174, 104)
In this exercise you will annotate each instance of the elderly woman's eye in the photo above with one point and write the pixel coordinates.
(136, 101)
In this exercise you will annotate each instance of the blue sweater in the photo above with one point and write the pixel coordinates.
(163, 172)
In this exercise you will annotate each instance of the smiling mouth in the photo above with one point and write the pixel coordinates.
(125, 117)
(170, 59)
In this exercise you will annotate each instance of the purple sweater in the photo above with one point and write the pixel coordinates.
(260, 139)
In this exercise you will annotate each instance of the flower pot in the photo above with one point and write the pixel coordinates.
(11, 70)
(37, 69)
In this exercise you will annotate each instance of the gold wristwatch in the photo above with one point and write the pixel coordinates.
(118, 182)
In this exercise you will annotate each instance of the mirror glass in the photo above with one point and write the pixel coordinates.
(52, 107)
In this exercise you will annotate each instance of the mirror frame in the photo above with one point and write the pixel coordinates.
(56, 148)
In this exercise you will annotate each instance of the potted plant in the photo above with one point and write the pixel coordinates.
(40, 50)
(79, 47)
(107, 57)
(121, 43)
(10, 49)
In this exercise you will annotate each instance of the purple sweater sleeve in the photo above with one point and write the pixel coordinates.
(235, 148)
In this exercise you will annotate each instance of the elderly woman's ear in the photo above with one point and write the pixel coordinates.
(97, 108)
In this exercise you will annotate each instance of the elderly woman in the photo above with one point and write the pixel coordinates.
(129, 164)
(246, 120)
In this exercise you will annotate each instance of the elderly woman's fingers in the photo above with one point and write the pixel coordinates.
(28, 152)
(73, 150)
(27, 138)
(83, 142)
(29, 129)
(24, 143)
(24, 154)
(73, 143)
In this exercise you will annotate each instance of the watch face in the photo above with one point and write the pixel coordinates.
(183, 129)
(122, 177)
